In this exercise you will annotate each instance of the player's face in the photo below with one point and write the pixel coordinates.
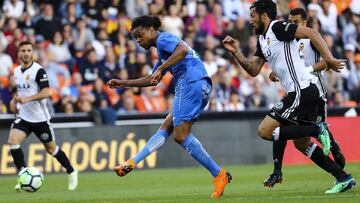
(256, 23)
(25, 53)
(296, 19)
(144, 36)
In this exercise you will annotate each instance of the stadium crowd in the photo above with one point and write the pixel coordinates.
(84, 43)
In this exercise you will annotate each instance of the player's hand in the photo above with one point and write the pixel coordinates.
(336, 64)
(273, 77)
(115, 83)
(13, 106)
(230, 44)
(155, 77)
(22, 100)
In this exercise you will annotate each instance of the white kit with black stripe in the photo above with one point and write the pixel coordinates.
(280, 50)
(311, 56)
(28, 83)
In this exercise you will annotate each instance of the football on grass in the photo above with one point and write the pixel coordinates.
(30, 179)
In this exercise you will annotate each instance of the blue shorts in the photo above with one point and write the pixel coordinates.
(190, 100)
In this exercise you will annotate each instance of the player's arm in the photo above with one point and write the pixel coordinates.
(319, 43)
(252, 67)
(178, 55)
(141, 82)
(43, 83)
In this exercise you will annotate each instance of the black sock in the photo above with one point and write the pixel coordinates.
(64, 161)
(290, 132)
(18, 157)
(278, 154)
(324, 162)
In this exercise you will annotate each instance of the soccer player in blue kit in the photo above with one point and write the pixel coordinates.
(192, 91)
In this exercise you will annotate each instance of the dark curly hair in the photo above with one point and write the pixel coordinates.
(265, 6)
(146, 21)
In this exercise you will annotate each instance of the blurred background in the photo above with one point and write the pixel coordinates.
(82, 44)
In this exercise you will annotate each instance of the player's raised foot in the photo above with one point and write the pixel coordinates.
(339, 157)
(324, 139)
(125, 168)
(220, 182)
(342, 186)
(73, 180)
(275, 177)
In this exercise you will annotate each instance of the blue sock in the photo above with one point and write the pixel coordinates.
(154, 143)
(195, 149)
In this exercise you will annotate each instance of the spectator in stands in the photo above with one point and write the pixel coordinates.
(5, 63)
(235, 8)
(81, 35)
(90, 68)
(92, 9)
(128, 106)
(172, 23)
(112, 67)
(13, 8)
(99, 93)
(136, 8)
(354, 80)
(349, 33)
(48, 24)
(58, 50)
(234, 102)
(108, 114)
(210, 63)
(257, 99)
(240, 31)
(71, 15)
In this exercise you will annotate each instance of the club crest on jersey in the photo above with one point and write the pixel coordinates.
(268, 41)
(27, 77)
(301, 47)
(279, 106)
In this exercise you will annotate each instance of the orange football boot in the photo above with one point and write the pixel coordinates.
(125, 168)
(220, 182)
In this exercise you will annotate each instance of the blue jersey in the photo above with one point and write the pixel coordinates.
(189, 69)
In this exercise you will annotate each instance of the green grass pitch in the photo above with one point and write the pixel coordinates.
(301, 184)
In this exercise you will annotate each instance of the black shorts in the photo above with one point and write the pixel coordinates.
(42, 130)
(322, 110)
(298, 109)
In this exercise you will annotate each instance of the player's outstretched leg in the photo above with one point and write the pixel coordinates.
(61, 157)
(278, 154)
(343, 181)
(196, 150)
(154, 143)
(339, 157)
(16, 137)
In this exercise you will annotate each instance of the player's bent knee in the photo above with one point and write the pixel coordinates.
(264, 133)
(50, 149)
(12, 141)
(179, 139)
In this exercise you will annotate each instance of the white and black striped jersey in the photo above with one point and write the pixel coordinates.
(28, 83)
(311, 56)
(278, 47)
